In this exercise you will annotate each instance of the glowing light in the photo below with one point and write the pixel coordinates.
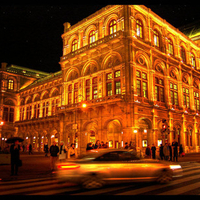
(84, 105)
(1, 123)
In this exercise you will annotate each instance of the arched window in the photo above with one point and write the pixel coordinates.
(92, 37)
(183, 56)
(112, 27)
(10, 84)
(170, 47)
(139, 28)
(74, 45)
(156, 38)
(193, 62)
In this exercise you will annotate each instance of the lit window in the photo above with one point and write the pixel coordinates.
(142, 86)
(193, 61)
(74, 45)
(159, 89)
(170, 47)
(92, 37)
(186, 97)
(10, 84)
(174, 94)
(156, 38)
(139, 28)
(112, 27)
(183, 56)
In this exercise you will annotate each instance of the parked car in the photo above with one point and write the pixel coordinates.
(103, 166)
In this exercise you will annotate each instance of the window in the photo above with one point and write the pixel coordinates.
(196, 100)
(45, 109)
(53, 107)
(139, 28)
(92, 37)
(112, 27)
(142, 87)
(174, 94)
(193, 62)
(94, 88)
(156, 38)
(74, 45)
(36, 111)
(183, 56)
(87, 90)
(109, 84)
(21, 114)
(186, 97)
(10, 84)
(159, 89)
(70, 94)
(8, 114)
(28, 112)
(170, 47)
(76, 92)
(117, 82)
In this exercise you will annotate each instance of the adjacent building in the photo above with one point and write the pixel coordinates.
(137, 75)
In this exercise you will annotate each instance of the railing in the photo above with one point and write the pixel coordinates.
(93, 45)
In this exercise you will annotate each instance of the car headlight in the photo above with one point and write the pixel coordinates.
(175, 167)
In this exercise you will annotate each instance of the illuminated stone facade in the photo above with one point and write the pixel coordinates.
(135, 72)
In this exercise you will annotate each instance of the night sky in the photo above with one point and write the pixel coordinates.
(30, 36)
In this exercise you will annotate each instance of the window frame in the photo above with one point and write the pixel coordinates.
(112, 27)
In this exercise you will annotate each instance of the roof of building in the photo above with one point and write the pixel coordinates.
(191, 30)
(26, 71)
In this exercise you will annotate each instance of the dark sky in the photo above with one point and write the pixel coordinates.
(30, 35)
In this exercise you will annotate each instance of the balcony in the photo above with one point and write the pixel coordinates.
(91, 46)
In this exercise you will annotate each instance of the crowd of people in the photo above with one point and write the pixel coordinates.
(167, 152)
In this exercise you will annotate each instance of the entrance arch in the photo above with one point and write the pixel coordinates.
(91, 130)
(144, 133)
(114, 129)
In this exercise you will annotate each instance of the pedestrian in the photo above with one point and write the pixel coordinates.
(89, 146)
(153, 150)
(14, 151)
(161, 151)
(102, 144)
(148, 152)
(126, 145)
(106, 145)
(46, 149)
(62, 151)
(72, 153)
(54, 150)
(166, 151)
(97, 145)
(30, 149)
(170, 151)
(175, 150)
(181, 150)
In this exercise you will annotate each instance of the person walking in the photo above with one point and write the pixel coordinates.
(72, 153)
(54, 150)
(89, 147)
(170, 151)
(153, 150)
(126, 145)
(30, 149)
(175, 150)
(14, 151)
(161, 151)
(166, 151)
(97, 145)
(148, 152)
(62, 151)
(46, 149)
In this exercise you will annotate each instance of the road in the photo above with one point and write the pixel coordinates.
(46, 184)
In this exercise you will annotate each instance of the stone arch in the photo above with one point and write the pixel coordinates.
(87, 32)
(111, 60)
(73, 37)
(159, 66)
(72, 74)
(36, 97)
(54, 92)
(44, 95)
(90, 67)
(186, 78)
(142, 58)
(174, 73)
(28, 100)
(108, 20)
(10, 102)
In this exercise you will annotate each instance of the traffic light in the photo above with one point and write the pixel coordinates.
(164, 128)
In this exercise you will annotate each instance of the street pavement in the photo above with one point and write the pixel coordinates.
(35, 178)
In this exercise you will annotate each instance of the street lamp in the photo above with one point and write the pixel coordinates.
(84, 105)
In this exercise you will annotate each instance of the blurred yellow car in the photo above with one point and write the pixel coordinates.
(103, 166)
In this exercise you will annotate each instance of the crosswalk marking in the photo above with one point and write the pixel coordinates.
(49, 186)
